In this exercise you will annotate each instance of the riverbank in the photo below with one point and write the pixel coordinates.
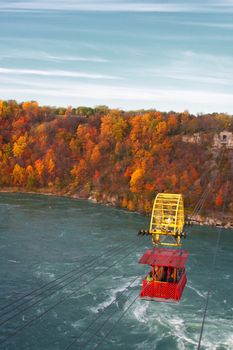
(214, 219)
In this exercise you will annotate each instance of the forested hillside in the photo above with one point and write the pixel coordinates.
(114, 156)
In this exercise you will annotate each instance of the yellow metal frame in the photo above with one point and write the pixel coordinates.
(167, 219)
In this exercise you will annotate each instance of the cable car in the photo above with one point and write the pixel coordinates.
(167, 278)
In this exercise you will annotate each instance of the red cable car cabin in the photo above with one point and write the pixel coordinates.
(167, 279)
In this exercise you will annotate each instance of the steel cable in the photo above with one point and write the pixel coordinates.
(102, 325)
(100, 315)
(61, 301)
(212, 268)
(122, 315)
(119, 319)
(46, 296)
(48, 283)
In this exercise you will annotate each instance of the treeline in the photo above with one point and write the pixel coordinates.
(112, 155)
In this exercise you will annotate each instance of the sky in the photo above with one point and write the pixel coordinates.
(131, 54)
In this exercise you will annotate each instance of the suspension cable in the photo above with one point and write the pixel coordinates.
(39, 288)
(91, 263)
(63, 286)
(101, 314)
(62, 300)
(48, 283)
(110, 316)
(212, 268)
(119, 319)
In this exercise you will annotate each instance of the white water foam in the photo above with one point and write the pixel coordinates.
(217, 332)
(201, 294)
(95, 233)
(117, 278)
(77, 324)
(45, 275)
(157, 318)
(61, 234)
(112, 296)
(140, 311)
(177, 328)
(144, 345)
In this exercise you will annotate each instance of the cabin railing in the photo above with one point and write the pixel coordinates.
(163, 290)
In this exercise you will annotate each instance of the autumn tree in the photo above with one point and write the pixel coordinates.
(129, 156)
(19, 146)
(18, 175)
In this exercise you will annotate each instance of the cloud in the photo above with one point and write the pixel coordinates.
(57, 73)
(200, 79)
(95, 6)
(209, 24)
(111, 6)
(205, 57)
(77, 58)
(123, 97)
(42, 56)
(195, 67)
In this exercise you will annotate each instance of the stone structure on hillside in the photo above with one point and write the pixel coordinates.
(195, 138)
(225, 138)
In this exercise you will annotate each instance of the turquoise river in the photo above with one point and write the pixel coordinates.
(70, 279)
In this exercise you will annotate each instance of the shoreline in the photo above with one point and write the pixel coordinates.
(215, 220)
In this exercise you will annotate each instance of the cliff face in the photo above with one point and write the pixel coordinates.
(215, 220)
(219, 140)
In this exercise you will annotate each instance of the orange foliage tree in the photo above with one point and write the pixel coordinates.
(128, 156)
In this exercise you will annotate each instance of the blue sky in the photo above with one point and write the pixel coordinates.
(125, 54)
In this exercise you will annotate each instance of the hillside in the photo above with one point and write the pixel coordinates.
(114, 156)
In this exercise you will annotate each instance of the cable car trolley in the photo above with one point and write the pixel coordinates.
(167, 278)
(167, 219)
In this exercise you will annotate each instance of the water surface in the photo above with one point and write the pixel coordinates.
(43, 238)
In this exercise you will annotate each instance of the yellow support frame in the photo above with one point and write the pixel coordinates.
(167, 219)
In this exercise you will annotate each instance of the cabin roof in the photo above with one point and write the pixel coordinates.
(165, 257)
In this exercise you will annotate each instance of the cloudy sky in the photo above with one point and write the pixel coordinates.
(125, 54)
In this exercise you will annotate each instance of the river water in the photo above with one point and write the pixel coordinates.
(70, 274)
